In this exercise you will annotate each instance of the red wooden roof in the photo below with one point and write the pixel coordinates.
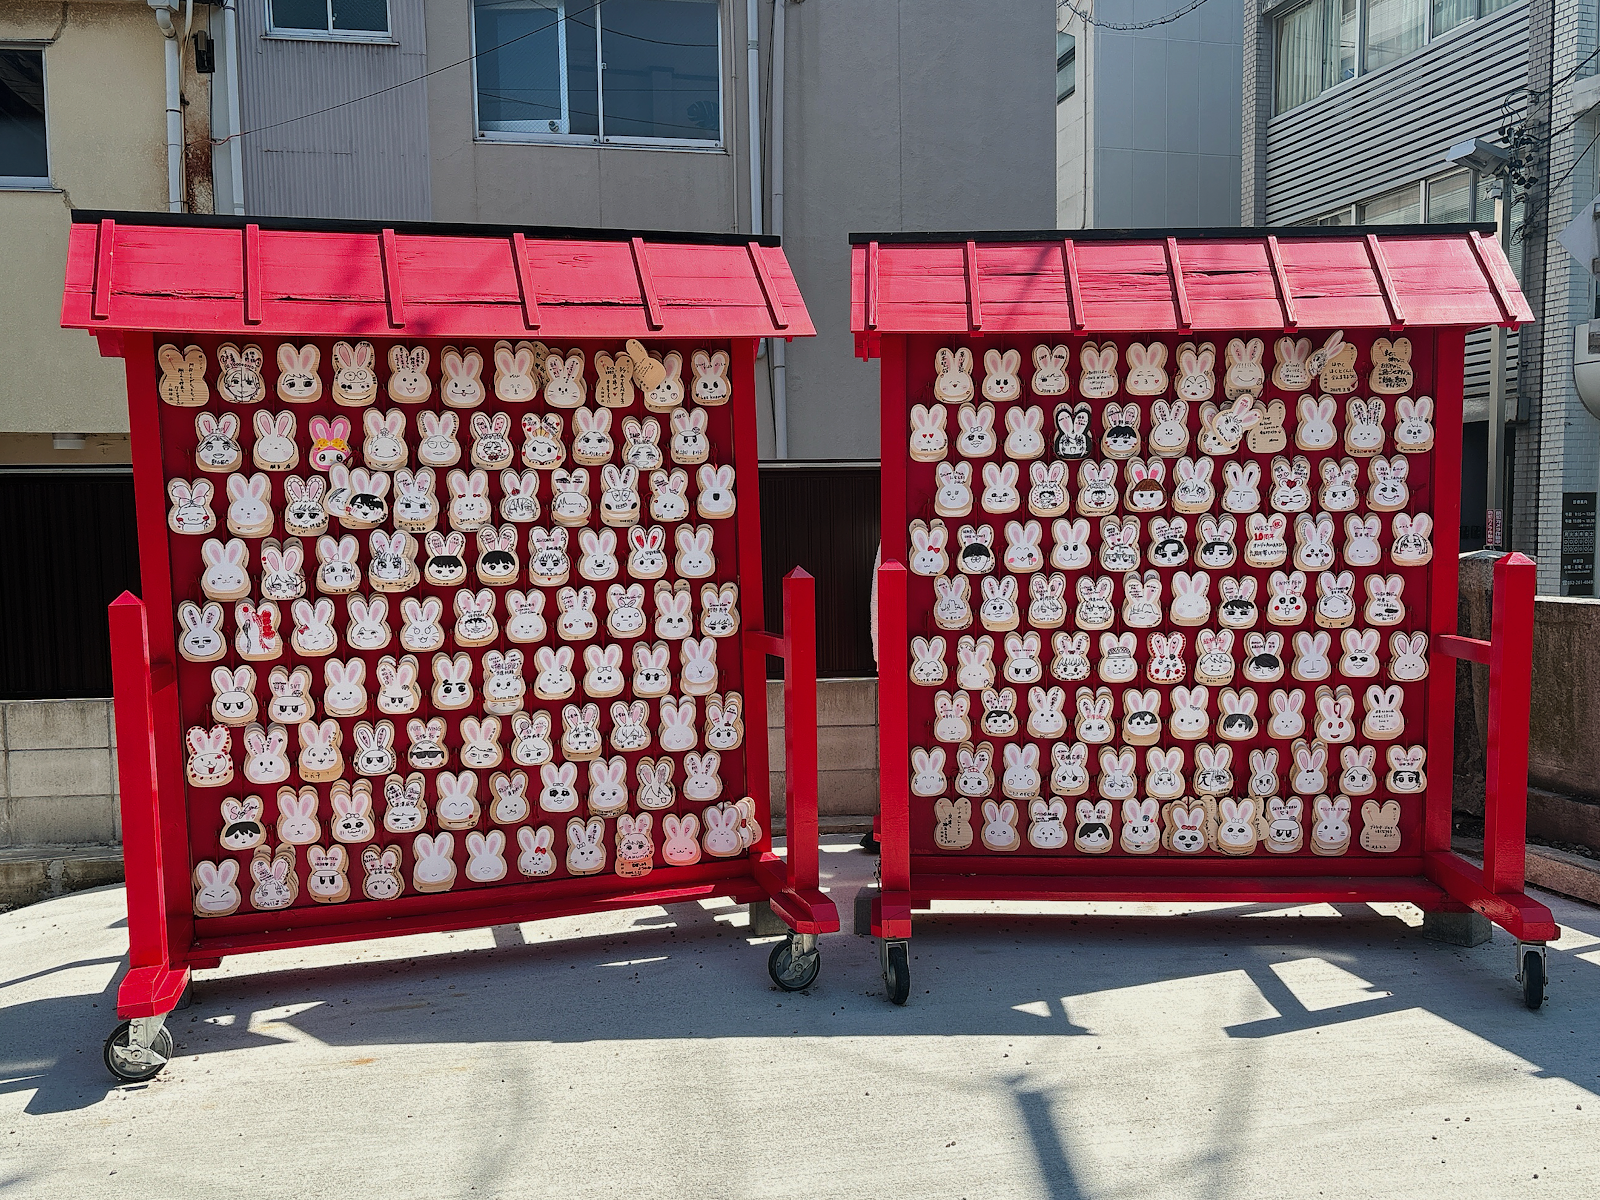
(145, 271)
(1123, 281)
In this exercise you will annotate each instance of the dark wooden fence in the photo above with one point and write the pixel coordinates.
(67, 549)
(824, 517)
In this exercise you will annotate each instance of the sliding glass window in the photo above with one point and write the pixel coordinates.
(632, 71)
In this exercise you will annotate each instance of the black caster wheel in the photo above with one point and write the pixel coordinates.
(791, 971)
(896, 972)
(119, 1058)
(1533, 980)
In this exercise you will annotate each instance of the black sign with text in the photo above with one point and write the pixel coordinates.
(1577, 543)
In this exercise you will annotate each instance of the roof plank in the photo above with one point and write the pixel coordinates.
(326, 279)
(1169, 283)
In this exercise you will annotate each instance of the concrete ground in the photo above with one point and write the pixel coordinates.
(1245, 1052)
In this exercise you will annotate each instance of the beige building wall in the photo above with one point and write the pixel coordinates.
(105, 120)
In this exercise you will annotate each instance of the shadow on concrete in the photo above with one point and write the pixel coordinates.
(687, 974)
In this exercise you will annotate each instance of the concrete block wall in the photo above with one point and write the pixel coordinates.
(1564, 720)
(58, 779)
(847, 746)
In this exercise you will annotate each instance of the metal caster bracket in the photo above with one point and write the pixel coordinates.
(795, 963)
(143, 1052)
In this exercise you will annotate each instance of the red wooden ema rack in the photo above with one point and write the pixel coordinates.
(287, 372)
(1099, 450)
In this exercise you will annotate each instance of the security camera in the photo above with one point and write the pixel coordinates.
(1482, 156)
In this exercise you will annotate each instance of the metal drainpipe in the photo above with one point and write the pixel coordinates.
(780, 372)
(163, 10)
(752, 33)
(230, 37)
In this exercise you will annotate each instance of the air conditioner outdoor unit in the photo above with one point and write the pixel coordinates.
(1585, 94)
(1586, 365)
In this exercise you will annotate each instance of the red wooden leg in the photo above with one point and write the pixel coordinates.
(1505, 810)
(796, 894)
(152, 984)
(891, 911)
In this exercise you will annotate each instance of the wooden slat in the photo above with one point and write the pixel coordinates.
(872, 285)
(102, 270)
(768, 292)
(974, 297)
(1180, 294)
(1281, 278)
(1380, 267)
(1485, 264)
(1069, 264)
(519, 261)
(647, 285)
(252, 275)
(393, 294)
(1471, 649)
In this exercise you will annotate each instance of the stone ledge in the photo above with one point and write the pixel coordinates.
(32, 873)
(1554, 870)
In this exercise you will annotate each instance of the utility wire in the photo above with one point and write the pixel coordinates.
(1575, 163)
(1089, 18)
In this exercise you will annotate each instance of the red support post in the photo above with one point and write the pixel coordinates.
(1505, 809)
(151, 985)
(800, 728)
(892, 911)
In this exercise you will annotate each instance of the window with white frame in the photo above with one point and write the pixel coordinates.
(620, 71)
(24, 152)
(1066, 65)
(354, 19)
(1325, 42)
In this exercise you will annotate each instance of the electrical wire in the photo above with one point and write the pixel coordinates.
(1089, 19)
(1575, 162)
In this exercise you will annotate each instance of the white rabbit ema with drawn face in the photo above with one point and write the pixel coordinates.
(462, 386)
(1000, 493)
(1047, 824)
(977, 437)
(1024, 433)
(1147, 369)
(191, 506)
(274, 448)
(1244, 375)
(299, 380)
(711, 386)
(1000, 381)
(1413, 431)
(217, 448)
(1169, 429)
(1196, 371)
(408, 375)
(355, 382)
(491, 441)
(1072, 431)
(239, 378)
(1050, 370)
(1363, 426)
(952, 375)
(954, 495)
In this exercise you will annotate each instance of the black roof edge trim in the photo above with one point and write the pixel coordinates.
(168, 220)
(1149, 235)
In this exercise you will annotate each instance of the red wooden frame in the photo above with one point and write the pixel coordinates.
(926, 284)
(166, 941)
